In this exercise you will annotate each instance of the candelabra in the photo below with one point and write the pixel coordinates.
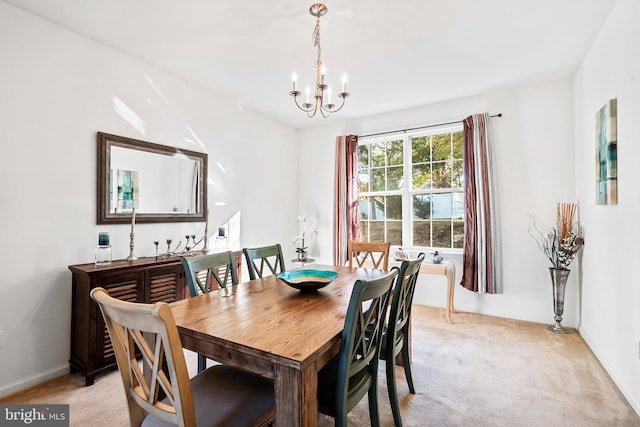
(189, 248)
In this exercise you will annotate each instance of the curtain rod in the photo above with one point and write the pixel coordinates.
(419, 127)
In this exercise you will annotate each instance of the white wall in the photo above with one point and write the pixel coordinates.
(535, 170)
(610, 291)
(57, 90)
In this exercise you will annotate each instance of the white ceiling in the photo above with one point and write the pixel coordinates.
(397, 54)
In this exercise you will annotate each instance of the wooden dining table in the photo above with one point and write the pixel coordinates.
(272, 329)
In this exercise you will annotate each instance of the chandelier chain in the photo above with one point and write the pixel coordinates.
(316, 37)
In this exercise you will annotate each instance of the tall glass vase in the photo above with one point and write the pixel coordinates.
(559, 282)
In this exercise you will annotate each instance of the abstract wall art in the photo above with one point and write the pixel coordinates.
(127, 190)
(607, 154)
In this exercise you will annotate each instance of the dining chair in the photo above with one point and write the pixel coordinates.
(395, 338)
(271, 256)
(346, 378)
(375, 252)
(202, 271)
(220, 396)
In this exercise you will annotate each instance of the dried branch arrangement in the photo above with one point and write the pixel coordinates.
(561, 245)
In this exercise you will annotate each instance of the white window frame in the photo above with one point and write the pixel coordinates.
(407, 191)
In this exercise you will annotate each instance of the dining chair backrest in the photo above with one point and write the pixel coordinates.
(158, 389)
(201, 272)
(401, 302)
(357, 362)
(126, 323)
(269, 256)
(369, 254)
(396, 333)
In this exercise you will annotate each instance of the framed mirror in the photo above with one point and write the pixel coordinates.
(162, 183)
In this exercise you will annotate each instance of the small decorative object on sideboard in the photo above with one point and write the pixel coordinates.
(103, 249)
(561, 245)
(132, 256)
(400, 255)
(437, 257)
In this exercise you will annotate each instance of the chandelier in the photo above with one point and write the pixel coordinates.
(322, 94)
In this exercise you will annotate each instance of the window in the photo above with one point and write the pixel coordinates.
(411, 189)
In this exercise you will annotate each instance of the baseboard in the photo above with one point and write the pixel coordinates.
(34, 380)
(607, 367)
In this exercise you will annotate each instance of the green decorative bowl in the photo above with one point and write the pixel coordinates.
(308, 280)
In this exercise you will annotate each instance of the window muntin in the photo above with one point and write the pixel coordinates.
(411, 189)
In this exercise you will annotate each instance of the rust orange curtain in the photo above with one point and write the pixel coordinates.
(346, 223)
(481, 257)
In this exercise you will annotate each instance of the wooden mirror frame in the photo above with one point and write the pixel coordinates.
(104, 216)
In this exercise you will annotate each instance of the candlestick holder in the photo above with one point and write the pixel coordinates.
(131, 256)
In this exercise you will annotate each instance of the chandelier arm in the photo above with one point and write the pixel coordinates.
(340, 107)
(306, 110)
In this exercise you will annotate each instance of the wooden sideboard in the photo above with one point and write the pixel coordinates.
(147, 280)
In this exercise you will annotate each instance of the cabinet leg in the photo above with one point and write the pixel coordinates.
(89, 380)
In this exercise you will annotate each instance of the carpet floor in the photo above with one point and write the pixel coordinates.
(479, 371)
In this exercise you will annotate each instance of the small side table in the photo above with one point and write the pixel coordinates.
(448, 269)
(445, 268)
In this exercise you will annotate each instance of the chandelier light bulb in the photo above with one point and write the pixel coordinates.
(294, 79)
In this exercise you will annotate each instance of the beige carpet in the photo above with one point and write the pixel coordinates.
(480, 371)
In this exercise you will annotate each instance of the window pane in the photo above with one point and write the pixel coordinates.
(363, 156)
(422, 206)
(395, 153)
(456, 174)
(442, 206)
(364, 207)
(458, 234)
(377, 179)
(457, 205)
(421, 233)
(458, 138)
(376, 231)
(363, 180)
(364, 231)
(421, 175)
(377, 208)
(377, 154)
(441, 234)
(441, 147)
(394, 207)
(440, 175)
(420, 149)
(394, 232)
(394, 178)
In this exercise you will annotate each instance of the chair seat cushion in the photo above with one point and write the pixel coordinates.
(240, 398)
